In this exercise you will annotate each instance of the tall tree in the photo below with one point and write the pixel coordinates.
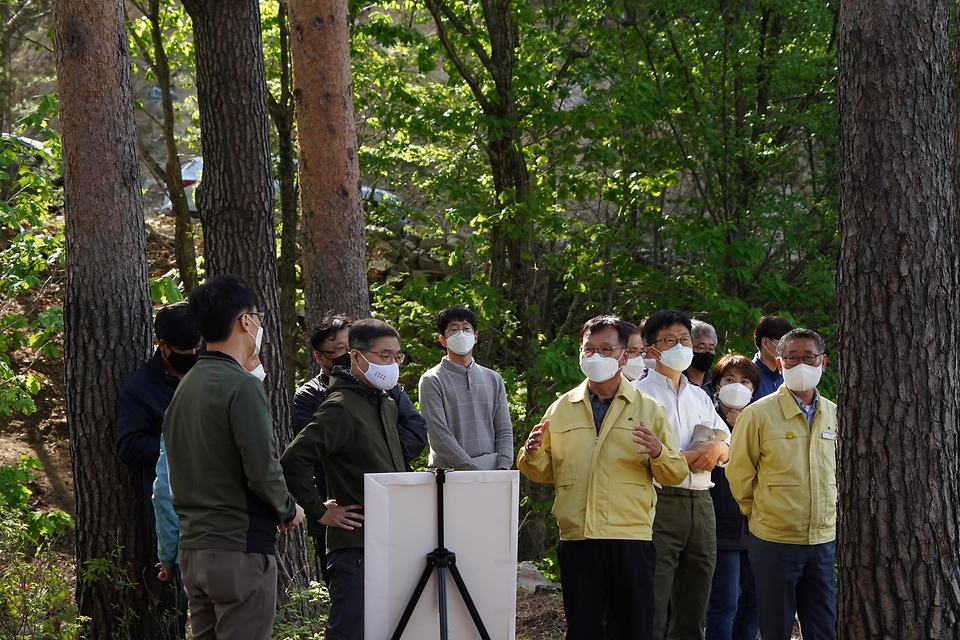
(481, 43)
(154, 54)
(898, 292)
(107, 311)
(332, 222)
(282, 113)
(235, 198)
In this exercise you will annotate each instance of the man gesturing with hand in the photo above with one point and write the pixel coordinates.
(602, 444)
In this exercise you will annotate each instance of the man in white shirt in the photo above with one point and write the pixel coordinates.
(684, 530)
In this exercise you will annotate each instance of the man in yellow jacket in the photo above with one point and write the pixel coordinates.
(783, 474)
(602, 444)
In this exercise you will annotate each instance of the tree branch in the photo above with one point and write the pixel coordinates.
(475, 88)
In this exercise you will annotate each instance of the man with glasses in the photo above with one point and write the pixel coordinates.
(353, 432)
(636, 368)
(783, 474)
(602, 444)
(227, 484)
(685, 529)
(704, 345)
(468, 420)
(329, 342)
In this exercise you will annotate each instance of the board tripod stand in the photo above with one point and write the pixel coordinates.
(441, 559)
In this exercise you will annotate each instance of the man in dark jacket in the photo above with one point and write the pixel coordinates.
(144, 399)
(353, 432)
(329, 342)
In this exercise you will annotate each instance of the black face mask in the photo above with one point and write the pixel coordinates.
(342, 360)
(702, 361)
(182, 362)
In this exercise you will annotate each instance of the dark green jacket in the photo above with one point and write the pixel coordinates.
(227, 484)
(353, 432)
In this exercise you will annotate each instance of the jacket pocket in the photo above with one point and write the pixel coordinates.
(631, 502)
(782, 504)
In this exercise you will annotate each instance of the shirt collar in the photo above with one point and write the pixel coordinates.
(447, 363)
(666, 382)
(582, 392)
(807, 409)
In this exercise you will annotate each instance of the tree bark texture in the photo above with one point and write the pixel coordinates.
(899, 374)
(107, 311)
(282, 113)
(332, 223)
(235, 197)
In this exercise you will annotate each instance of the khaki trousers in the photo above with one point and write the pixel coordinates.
(233, 594)
(685, 536)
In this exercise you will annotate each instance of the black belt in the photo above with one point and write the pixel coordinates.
(679, 491)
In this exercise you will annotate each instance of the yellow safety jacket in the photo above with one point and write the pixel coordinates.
(783, 471)
(604, 487)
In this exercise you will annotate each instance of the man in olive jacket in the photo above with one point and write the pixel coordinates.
(602, 444)
(352, 433)
(226, 481)
(783, 474)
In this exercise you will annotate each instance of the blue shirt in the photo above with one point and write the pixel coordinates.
(770, 381)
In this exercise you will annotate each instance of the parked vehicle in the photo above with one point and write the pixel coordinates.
(191, 171)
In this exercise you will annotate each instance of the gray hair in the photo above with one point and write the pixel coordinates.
(800, 334)
(699, 328)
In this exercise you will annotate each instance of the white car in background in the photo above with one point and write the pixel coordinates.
(191, 171)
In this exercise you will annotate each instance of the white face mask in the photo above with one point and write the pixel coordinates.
(677, 358)
(802, 377)
(259, 373)
(382, 376)
(650, 363)
(633, 368)
(735, 395)
(257, 340)
(599, 369)
(461, 343)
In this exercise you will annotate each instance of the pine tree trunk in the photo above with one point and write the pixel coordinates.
(184, 249)
(107, 311)
(332, 223)
(235, 197)
(282, 114)
(899, 373)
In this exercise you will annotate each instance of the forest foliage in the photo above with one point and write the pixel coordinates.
(680, 154)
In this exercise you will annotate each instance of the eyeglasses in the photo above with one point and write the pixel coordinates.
(452, 332)
(339, 351)
(635, 353)
(670, 343)
(260, 315)
(606, 352)
(388, 357)
(702, 349)
(807, 359)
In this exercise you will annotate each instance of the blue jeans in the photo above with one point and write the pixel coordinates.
(732, 611)
(795, 579)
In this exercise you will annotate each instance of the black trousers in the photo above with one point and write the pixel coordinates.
(601, 574)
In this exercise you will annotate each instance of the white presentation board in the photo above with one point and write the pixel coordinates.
(480, 518)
